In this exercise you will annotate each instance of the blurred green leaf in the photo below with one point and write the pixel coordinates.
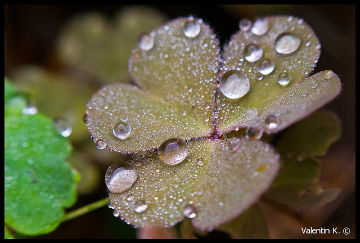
(38, 182)
(90, 43)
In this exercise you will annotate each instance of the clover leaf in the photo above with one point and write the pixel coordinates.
(188, 96)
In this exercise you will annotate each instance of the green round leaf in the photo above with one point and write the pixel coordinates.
(38, 184)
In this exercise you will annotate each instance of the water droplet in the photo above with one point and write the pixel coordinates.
(287, 43)
(173, 151)
(251, 114)
(146, 42)
(308, 43)
(140, 206)
(260, 27)
(253, 53)
(63, 126)
(122, 130)
(100, 144)
(253, 133)
(244, 24)
(318, 46)
(86, 119)
(190, 212)
(116, 213)
(234, 85)
(200, 162)
(284, 79)
(271, 122)
(119, 180)
(192, 28)
(259, 76)
(130, 198)
(329, 74)
(266, 67)
(30, 108)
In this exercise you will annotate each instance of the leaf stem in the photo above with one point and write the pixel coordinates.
(86, 209)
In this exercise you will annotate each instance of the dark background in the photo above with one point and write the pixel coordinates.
(31, 32)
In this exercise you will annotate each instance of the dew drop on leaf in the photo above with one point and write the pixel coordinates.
(140, 206)
(271, 122)
(266, 67)
(63, 126)
(146, 42)
(244, 24)
(192, 28)
(308, 43)
(122, 130)
(30, 108)
(253, 133)
(234, 85)
(190, 212)
(260, 27)
(100, 144)
(120, 180)
(173, 151)
(253, 53)
(287, 43)
(284, 79)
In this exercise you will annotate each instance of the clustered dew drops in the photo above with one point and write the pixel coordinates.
(173, 151)
(140, 206)
(271, 122)
(244, 24)
(266, 67)
(253, 53)
(260, 27)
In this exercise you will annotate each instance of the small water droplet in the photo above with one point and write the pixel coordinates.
(86, 119)
(119, 180)
(271, 122)
(329, 74)
(140, 206)
(244, 24)
(251, 114)
(318, 46)
(173, 151)
(100, 144)
(266, 67)
(259, 76)
(30, 108)
(253, 53)
(146, 42)
(260, 27)
(122, 130)
(287, 43)
(308, 43)
(234, 85)
(284, 79)
(189, 212)
(192, 28)
(63, 126)
(253, 133)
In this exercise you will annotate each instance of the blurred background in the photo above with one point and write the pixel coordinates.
(41, 47)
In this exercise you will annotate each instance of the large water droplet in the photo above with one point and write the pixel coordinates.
(266, 67)
(63, 126)
(122, 130)
(140, 206)
(173, 151)
(119, 180)
(271, 122)
(253, 133)
(253, 53)
(192, 28)
(234, 85)
(189, 212)
(260, 27)
(146, 42)
(284, 79)
(244, 24)
(287, 43)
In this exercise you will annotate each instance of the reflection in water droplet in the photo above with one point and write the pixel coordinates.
(63, 126)
(253, 133)
(271, 122)
(192, 28)
(116, 213)
(122, 130)
(140, 206)
(266, 67)
(119, 180)
(260, 27)
(146, 42)
(234, 85)
(253, 53)
(244, 24)
(284, 79)
(100, 144)
(329, 74)
(190, 212)
(173, 151)
(287, 43)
